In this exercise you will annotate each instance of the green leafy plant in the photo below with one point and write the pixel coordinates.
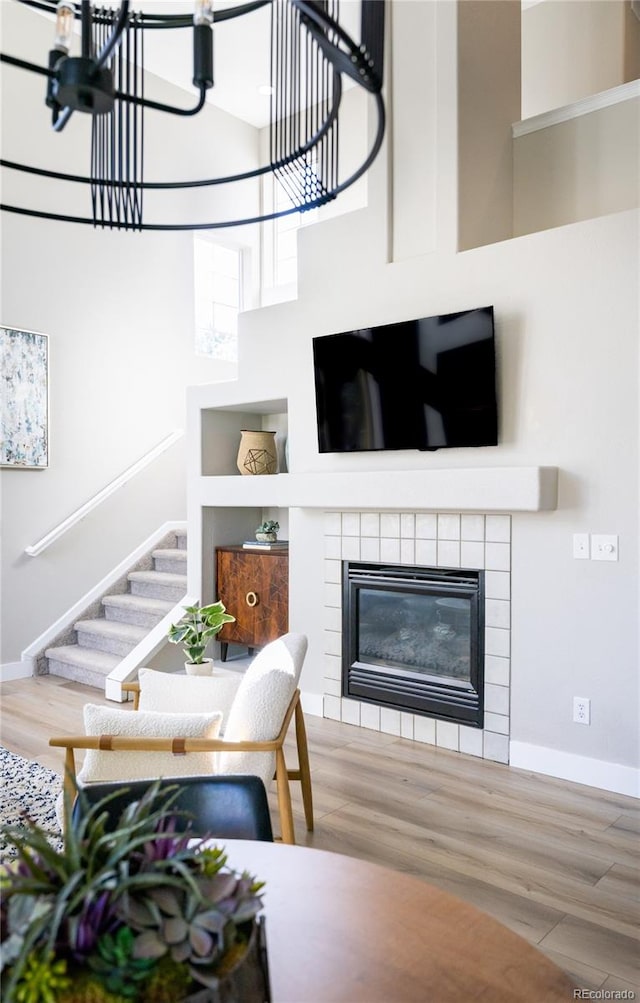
(120, 915)
(195, 629)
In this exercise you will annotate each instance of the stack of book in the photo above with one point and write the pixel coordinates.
(266, 544)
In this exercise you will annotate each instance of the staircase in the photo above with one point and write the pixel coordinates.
(123, 619)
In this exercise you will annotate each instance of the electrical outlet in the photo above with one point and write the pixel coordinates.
(582, 710)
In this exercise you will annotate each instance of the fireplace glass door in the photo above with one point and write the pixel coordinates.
(413, 639)
(415, 632)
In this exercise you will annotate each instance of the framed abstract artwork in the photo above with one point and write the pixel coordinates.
(24, 399)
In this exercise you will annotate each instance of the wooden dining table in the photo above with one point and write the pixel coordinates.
(342, 930)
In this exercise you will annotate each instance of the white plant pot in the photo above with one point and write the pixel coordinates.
(203, 668)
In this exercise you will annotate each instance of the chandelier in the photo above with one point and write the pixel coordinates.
(312, 59)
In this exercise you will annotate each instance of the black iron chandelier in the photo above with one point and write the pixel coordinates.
(310, 54)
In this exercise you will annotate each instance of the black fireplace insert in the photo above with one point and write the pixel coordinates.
(413, 639)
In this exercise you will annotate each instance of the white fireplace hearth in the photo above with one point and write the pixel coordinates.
(429, 539)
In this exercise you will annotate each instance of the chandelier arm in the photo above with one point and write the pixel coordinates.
(158, 106)
(22, 64)
(62, 119)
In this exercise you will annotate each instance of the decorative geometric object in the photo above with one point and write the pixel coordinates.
(311, 54)
(24, 399)
(257, 453)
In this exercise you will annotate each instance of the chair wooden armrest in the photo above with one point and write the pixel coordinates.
(124, 743)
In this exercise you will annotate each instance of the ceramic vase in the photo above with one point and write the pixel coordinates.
(257, 453)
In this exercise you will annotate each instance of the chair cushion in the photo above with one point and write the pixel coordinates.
(260, 704)
(168, 691)
(123, 765)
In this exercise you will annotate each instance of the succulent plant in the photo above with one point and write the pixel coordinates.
(268, 526)
(196, 628)
(42, 979)
(115, 964)
(110, 904)
(197, 922)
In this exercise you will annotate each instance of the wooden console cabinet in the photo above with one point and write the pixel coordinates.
(254, 587)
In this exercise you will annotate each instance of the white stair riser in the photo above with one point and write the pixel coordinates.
(114, 645)
(153, 590)
(140, 618)
(78, 673)
(175, 566)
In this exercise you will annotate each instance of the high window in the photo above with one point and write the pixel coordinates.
(218, 299)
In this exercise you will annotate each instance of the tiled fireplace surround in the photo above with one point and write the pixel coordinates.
(430, 539)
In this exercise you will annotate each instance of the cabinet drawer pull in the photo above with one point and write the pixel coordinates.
(251, 599)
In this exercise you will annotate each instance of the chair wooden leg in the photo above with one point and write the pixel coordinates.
(305, 771)
(284, 799)
(69, 783)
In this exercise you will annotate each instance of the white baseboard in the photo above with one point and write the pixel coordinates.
(312, 703)
(580, 769)
(16, 670)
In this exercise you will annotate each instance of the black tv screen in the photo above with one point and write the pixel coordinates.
(419, 384)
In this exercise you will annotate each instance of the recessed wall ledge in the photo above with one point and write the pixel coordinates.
(458, 489)
(594, 102)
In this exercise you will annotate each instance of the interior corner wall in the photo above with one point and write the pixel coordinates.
(574, 48)
(118, 310)
(488, 103)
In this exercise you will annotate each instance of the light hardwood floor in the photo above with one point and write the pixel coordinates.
(556, 862)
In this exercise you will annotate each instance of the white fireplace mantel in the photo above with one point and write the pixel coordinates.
(459, 489)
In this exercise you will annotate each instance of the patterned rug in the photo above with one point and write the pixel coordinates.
(28, 790)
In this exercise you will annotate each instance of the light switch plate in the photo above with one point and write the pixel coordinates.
(581, 546)
(604, 547)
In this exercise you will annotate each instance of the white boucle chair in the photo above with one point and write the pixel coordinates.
(254, 730)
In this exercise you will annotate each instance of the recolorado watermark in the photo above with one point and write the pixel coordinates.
(604, 994)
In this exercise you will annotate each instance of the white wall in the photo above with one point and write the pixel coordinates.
(566, 303)
(118, 309)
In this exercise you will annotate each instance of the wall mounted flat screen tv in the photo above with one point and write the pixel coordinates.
(418, 384)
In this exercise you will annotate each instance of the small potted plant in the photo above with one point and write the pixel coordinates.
(194, 630)
(267, 531)
(141, 913)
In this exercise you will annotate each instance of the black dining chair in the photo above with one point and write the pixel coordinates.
(229, 806)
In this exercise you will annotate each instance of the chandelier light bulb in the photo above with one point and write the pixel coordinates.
(64, 26)
(203, 12)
